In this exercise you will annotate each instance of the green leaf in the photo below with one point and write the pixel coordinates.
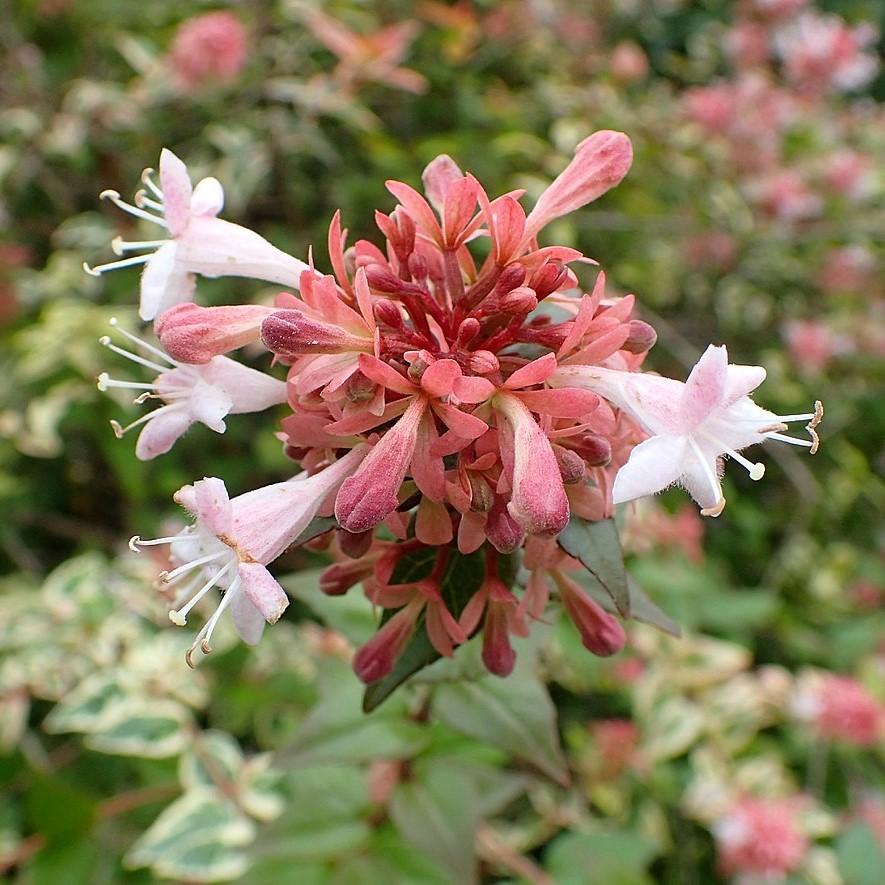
(616, 857)
(438, 815)
(861, 861)
(515, 714)
(319, 525)
(140, 727)
(463, 577)
(83, 707)
(597, 546)
(643, 609)
(56, 809)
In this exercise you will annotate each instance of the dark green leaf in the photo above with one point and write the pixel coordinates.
(319, 525)
(643, 609)
(462, 579)
(597, 547)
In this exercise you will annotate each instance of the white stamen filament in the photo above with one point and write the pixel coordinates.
(143, 200)
(137, 541)
(119, 245)
(755, 469)
(179, 616)
(167, 577)
(780, 437)
(105, 340)
(105, 382)
(120, 431)
(113, 321)
(146, 179)
(99, 269)
(114, 197)
(205, 635)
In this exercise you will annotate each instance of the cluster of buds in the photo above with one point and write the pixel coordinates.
(435, 398)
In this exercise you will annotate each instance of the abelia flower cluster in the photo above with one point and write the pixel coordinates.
(452, 390)
(839, 708)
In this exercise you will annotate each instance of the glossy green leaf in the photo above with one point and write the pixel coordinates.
(597, 546)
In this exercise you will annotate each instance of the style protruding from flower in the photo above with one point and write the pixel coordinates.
(460, 401)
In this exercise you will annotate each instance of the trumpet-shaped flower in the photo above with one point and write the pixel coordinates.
(232, 542)
(691, 425)
(198, 243)
(190, 394)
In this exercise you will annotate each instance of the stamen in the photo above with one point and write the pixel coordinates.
(780, 437)
(105, 340)
(142, 200)
(205, 635)
(105, 382)
(146, 179)
(114, 197)
(113, 321)
(120, 431)
(136, 541)
(167, 577)
(99, 269)
(179, 617)
(119, 245)
(756, 470)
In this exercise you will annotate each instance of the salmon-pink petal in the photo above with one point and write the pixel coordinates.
(176, 186)
(705, 388)
(427, 467)
(376, 658)
(439, 377)
(537, 593)
(463, 424)
(561, 402)
(448, 444)
(538, 501)
(535, 372)
(471, 532)
(458, 208)
(653, 465)
(417, 208)
(263, 591)
(438, 176)
(370, 494)
(336, 243)
(502, 530)
(364, 298)
(213, 505)
(603, 347)
(385, 375)
(433, 524)
(397, 524)
(622, 309)
(472, 389)
(584, 316)
(361, 422)
(472, 612)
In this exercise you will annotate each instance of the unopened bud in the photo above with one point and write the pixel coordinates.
(359, 388)
(512, 276)
(548, 278)
(484, 362)
(355, 544)
(418, 266)
(481, 496)
(570, 463)
(519, 301)
(339, 577)
(601, 633)
(595, 450)
(388, 313)
(467, 331)
(642, 337)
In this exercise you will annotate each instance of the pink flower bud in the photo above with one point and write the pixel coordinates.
(388, 313)
(292, 333)
(339, 577)
(641, 339)
(519, 301)
(595, 450)
(512, 276)
(209, 47)
(377, 657)
(601, 633)
(195, 334)
(502, 530)
(571, 465)
(600, 162)
(484, 362)
(497, 652)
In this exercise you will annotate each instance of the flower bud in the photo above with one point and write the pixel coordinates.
(570, 463)
(359, 388)
(601, 633)
(195, 334)
(292, 333)
(512, 276)
(355, 544)
(518, 301)
(595, 450)
(502, 530)
(388, 313)
(642, 337)
(339, 577)
(548, 278)
(484, 362)
(377, 657)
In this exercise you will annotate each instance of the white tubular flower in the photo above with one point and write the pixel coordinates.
(199, 241)
(204, 393)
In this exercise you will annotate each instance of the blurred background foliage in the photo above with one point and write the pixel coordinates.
(753, 215)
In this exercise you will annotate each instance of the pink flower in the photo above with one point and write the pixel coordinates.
(200, 242)
(628, 62)
(811, 344)
(784, 194)
(233, 541)
(208, 48)
(205, 393)
(822, 52)
(839, 708)
(692, 425)
(760, 837)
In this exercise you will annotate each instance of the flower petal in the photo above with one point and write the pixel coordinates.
(705, 388)
(535, 372)
(213, 505)
(653, 465)
(207, 198)
(176, 186)
(562, 402)
(161, 433)
(263, 591)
